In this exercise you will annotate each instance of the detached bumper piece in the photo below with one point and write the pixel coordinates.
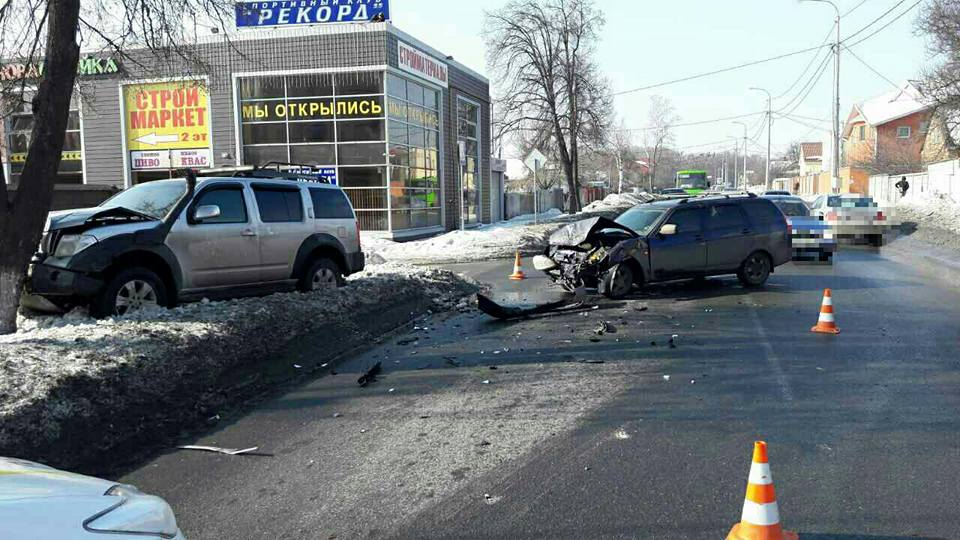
(506, 313)
(51, 281)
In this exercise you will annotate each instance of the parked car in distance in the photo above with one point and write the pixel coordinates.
(812, 238)
(668, 240)
(855, 219)
(778, 192)
(163, 242)
(37, 501)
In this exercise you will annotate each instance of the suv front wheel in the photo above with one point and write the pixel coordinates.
(755, 270)
(323, 273)
(130, 290)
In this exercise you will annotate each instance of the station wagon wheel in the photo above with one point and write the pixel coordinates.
(618, 281)
(755, 270)
(322, 274)
(128, 291)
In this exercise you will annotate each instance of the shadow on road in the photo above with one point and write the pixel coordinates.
(808, 536)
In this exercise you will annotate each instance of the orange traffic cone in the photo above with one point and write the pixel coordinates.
(517, 274)
(760, 519)
(826, 324)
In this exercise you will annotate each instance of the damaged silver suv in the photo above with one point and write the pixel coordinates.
(162, 242)
(668, 240)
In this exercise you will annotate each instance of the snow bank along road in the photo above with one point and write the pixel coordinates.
(84, 394)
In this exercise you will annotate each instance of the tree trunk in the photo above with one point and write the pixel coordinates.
(23, 217)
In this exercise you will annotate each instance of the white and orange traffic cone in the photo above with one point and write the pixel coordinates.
(826, 324)
(761, 518)
(517, 274)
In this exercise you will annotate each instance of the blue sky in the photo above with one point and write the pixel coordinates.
(647, 42)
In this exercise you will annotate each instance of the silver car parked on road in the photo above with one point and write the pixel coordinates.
(173, 240)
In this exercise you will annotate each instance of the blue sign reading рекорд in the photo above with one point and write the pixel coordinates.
(293, 12)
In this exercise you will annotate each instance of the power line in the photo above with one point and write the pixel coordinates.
(807, 88)
(854, 8)
(717, 72)
(884, 27)
(698, 123)
(806, 69)
(871, 68)
(875, 21)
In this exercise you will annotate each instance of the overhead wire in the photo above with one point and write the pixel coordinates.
(809, 65)
(871, 68)
(875, 21)
(884, 27)
(854, 8)
(808, 87)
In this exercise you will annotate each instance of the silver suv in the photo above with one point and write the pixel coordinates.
(159, 243)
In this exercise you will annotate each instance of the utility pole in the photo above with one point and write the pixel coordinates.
(744, 154)
(769, 132)
(835, 135)
(736, 156)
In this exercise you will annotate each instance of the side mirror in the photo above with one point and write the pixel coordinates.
(668, 230)
(206, 212)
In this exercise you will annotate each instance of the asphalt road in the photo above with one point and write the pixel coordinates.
(655, 442)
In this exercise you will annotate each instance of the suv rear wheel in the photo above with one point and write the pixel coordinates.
(128, 291)
(323, 273)
(755, 270)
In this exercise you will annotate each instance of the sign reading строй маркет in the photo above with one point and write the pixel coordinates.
(294, 12)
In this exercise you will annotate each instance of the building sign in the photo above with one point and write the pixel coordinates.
(294, 12)
(328, 174)
(410, 113)
(421, 64)
(21, 157)
(167, 125)
(312, 109)
(88, 66)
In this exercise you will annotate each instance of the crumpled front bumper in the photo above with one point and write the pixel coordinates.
(45, 280)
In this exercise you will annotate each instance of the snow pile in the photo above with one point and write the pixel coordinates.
(936, 218)
(72, 386)
(618, 201)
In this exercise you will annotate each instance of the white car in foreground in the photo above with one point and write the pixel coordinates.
(37, 501)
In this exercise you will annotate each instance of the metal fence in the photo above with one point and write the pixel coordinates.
(520, 203)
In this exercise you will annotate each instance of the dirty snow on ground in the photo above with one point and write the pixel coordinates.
(496, 241)
(51, 366)
(936, 218)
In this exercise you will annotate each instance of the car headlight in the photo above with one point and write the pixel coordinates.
(135, 513)
(71, 244)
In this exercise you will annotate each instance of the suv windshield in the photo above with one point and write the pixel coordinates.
(792, 208)
(154, 199)
(640, 220)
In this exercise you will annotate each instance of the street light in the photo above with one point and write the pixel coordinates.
(744, 153)
(769, 130)
(836, 99)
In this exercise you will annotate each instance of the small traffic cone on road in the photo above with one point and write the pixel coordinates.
(761, 518)
(517, 274)
(826, 324)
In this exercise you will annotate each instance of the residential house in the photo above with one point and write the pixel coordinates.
(943, 139)
(886, 134)
(811, 158)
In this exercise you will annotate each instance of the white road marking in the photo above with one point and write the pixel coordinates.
(772, 357)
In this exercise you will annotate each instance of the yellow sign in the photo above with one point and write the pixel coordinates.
(324, 109)
(166, 116)
(21, 157)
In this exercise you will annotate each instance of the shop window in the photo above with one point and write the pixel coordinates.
(396, 86)
(261, 155)
(360, 130)
(359, 107)
(414, 93)
(396, 109)
(261, 87)
(311, 132)
(468, 118)
(361, 154)
(363, 177)
(264, 133)
(17, 129)
(362, 82)
(372, 220)
(399, 155)
(310, 85)
(431, 99)
(398, 176)
(314, 154)
(374, 199)
(418, 136)
(399, 133)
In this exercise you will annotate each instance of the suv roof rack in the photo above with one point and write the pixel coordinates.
(274, 170)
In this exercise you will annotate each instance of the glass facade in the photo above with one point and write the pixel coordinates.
(468, 135)
(17, 129)
(413, 112)
(322, 120)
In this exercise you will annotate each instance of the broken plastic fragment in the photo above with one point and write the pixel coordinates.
(218, 450)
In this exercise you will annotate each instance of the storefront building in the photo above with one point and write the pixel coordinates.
(402, 128)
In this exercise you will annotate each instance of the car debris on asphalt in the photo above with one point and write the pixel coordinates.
(370, 375)
(218, 450)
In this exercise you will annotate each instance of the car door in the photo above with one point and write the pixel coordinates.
(681, 254)
(728, 235)
(282, 228)
(218, 251)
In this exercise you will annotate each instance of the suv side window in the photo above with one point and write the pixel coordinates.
(330, 204)
(688, 220)
(727, 216)
(233, 209)
(278, 205)
(762, 212)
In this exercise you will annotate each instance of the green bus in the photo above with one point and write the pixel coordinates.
(693, 182)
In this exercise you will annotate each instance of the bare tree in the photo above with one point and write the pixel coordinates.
(940, 21)
(541, 57)
(46, 36)
(659, 134)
